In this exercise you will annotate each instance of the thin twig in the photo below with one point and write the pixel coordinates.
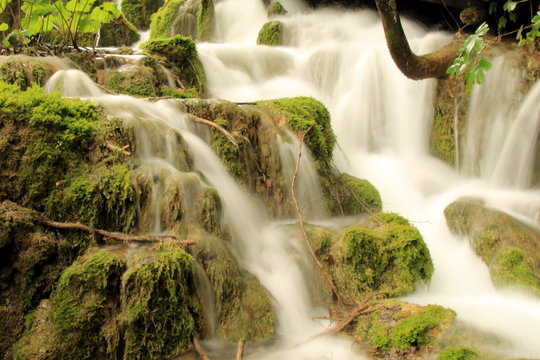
(116, 235)
(302, 226)
(116, 148)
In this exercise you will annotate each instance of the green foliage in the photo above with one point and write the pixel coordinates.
(158, 306)
(468, 62)
(458, 353)
(532, 36)
(70, 19)
(270, 33)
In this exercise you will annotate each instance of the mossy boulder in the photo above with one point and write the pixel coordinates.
(139, 12)
(244, 309)
(403, 330)
(189, 18)
(135, 80)
(271, 33)
(359, 195)
(119, 32)
(510, 248)
(276, 9)
(384, 253)
(79, 314)
(180, 55)
(159, 312)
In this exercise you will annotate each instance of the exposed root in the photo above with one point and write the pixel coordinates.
(240, 350)
(199, 349)
(116, 235)
(227, 134)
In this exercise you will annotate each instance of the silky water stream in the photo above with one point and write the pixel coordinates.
(382, 121)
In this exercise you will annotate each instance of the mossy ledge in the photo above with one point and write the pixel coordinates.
(509, 248)
(271, 33)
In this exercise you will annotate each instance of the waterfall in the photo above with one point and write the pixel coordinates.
(260, 244)
(382, 121)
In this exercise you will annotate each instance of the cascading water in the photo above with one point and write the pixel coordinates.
(260, 245)
(382, 121)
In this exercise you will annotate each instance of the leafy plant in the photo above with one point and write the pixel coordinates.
(468, 62)
(532, 35)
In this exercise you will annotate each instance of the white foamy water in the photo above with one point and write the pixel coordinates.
(382, 121)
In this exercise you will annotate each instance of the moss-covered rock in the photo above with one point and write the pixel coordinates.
(135, 80)
(139, 12)
(189, 18)
(80, 311)
(458, 353)
(276, 9)
(159, 312)
(119, 32)
(359, 195)
(384, 253)
(180, 54)
(23, 71)
(244, 309)
(404, 331)
(271, 33)
(509, 248)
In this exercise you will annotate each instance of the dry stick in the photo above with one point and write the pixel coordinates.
(116, 148)
(199, 349)
(240, 350)
(301, 219)
(227, 134)
(116, 235)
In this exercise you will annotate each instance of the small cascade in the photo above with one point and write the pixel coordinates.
(229, 29)
(308, 189)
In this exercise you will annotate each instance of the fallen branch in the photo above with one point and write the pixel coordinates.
(227, 134)
(302, 226)
(240, 350)
(115, 235)
(121, 150)
(199, 349)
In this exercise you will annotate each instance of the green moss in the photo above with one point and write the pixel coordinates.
(385, 254)
(510, 248)
(416, 330)
(301, 114)
(119, 32)
(138, 81)
(205, 20)
(361, 196)
(180, 54)
(400, 328)
(162, 20)
(103, 199)
(57, 134)
(23, 72)
(229, 154)
(458, 353)
(276, 9)
(138, 12)
(271, 33)
(243, 306)
(510, 268)
(159, 312)
(78, 312)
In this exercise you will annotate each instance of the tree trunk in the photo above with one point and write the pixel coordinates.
(416, 67)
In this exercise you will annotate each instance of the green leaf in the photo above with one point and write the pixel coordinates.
(4, 27)
(509, 6)
(492, 7)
